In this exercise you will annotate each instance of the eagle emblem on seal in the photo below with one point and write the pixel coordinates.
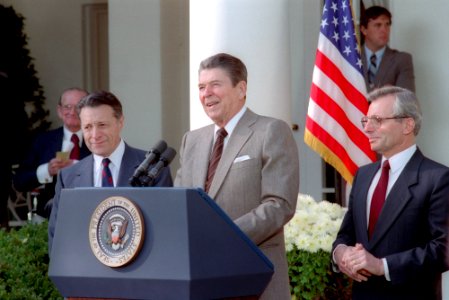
(116, 232)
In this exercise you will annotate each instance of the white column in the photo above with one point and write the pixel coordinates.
(257, 32)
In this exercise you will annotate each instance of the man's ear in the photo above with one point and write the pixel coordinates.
(242, 89)
(409, 126)
(363, 30)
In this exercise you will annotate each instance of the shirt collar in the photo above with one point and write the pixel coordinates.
(399, 160)
(68, 134)
(230, 126)
(115, 157)
(379, 54)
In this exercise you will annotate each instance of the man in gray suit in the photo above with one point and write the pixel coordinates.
(256, 181)
(381, 64)
(102, 121)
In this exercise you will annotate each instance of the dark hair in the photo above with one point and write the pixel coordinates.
(72, 89)
(406, 103)
(233, 66)
(372, 13)
(96, 99)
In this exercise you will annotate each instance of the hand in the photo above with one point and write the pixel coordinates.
(56, 164)
(344, 256)
(362, 262)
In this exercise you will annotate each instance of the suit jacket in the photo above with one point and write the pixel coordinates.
(81, 174)
(259, 193)
(411, 232)
(396, 68)
(44, 149)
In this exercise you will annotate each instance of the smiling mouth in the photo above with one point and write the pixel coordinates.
(211, 104)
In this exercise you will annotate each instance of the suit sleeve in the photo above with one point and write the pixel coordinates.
(406, 75)
(54, 211)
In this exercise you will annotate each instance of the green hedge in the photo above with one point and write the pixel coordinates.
(24, 264)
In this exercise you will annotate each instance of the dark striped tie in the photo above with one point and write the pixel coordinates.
(215, 157)
(106, 176)
(372, 69)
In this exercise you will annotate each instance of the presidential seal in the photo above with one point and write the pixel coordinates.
(116, 231)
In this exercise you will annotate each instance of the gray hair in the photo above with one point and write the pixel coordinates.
(406, 104)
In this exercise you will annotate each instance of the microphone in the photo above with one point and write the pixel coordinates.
(164, 160)
(151, 156)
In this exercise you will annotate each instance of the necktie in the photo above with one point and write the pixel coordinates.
(372, 69)
(106, 176)
(215, 157)
(75, 153)
(378, 197)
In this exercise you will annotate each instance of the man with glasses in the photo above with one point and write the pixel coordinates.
(393, 239)
(52, 151)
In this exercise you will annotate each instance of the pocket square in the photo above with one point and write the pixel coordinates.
(241, 158)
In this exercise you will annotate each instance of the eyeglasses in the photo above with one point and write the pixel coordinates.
(376, 121)
(68, 107)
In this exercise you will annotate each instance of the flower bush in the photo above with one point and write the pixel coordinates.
(308, 238)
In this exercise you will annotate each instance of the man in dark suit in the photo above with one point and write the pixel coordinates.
(256, 180)
(403, 254)
(102, 121)
(381, 64)
(44, 160)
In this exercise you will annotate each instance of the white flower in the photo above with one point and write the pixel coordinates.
(314, 225)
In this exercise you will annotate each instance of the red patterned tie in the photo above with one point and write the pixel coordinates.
(378, 198)
(106, 176)
(75, 153)
(215, 157)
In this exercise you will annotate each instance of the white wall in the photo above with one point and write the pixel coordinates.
(420, 28)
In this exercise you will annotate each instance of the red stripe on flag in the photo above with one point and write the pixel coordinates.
(334, 73)
(340, 116)
(332, 144)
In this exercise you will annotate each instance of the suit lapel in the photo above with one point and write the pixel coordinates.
(203, 149)
(130, 162)
(238, 138)
(360, 207)
(83, 178)
(398, 197)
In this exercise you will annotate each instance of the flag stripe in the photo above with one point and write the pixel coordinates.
(337, 132)
(338, 114)
(332, 144)
(351, 93)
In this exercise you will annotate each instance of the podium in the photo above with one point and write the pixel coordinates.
(190, 250)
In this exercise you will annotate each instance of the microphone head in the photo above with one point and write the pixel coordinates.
(158, 148)
(168, 155)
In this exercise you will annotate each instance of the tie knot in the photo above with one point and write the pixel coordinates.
(105, 162)
(222, 133)
(75, 139)
(373, 60)
(386, 165)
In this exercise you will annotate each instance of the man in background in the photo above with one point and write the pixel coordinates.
(256, 179)
(112, 162)
(381, 64)
(51, 151)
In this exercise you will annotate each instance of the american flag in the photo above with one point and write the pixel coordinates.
(337, 96)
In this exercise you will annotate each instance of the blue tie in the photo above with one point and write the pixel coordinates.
(106, 176)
